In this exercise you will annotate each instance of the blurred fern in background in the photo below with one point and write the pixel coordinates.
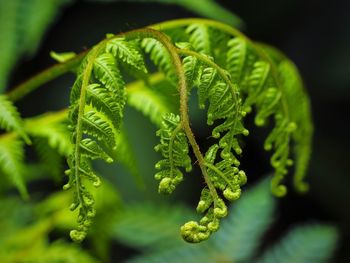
(27, 232)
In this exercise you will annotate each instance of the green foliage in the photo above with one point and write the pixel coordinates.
(145, 219)
(97, 101)
(309, 243)
(239, 238)
(174, 149)
(233, 76)
(11, 162)
(22, 25)
(153, 99)
(10, 119)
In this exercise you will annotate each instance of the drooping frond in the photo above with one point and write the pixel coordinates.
(97, 102)
(11, 162)
(174, 149)
(233, 76)
(224, 109)
(301, 115)
(10, 119)
(240, 59)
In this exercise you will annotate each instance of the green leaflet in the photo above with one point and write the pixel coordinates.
(145, 219)
(305, 244)
(199, 38)
(126, 52)
(96, 112)
(160, 57)
(174, 148)
(98, 98)
(153, 99)
(11, 162)
(302, 117)
(10, 119)
(240, 238)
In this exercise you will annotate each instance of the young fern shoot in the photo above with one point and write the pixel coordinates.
(234, 77)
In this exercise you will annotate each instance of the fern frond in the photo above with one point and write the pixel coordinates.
(106, 71)
(249, 218)
(160, 57)
(146, 219)
(174, 148)
(192, 67)
(301, 115)
(240, 59)
(248, 79)
(11, 159)
(104, 101)
(94, 107)
(49, 158)
(126, 156)
(199, 38)
(53, 130)
(127, 52)
(10, 119)
(152, 100)
(304, 244)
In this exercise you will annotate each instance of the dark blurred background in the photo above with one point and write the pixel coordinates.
(314, 34)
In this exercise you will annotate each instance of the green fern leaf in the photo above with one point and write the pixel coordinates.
(249, 218)
(174, 148)
(11, 159)
(153, 100)
(304, 244)
(106, 71)
(127, 52)
(10, 119)
(104, 101)
(49, 158)
(126, 156)
(301, 115)
(160, 57)
(199, 38)
(53, 130)
(192, 68)
(107, 100)
(146, 219)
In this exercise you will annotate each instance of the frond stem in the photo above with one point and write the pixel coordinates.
(233, 32)
(182, 87)
(51, 73)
